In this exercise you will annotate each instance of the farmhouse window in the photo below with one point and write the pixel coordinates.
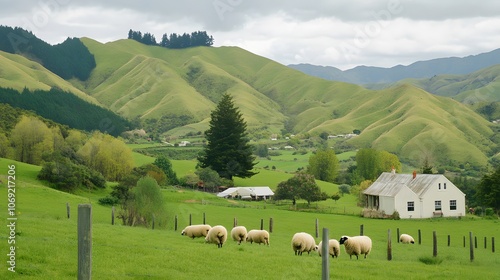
(411, 206)
(445, 186)
(453, 205)
(439, 185)
(437, 205)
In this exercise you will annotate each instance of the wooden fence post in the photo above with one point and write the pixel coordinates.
(153, 222)
(190, 219)
(361, 230)
(389, 245)
(112, 215)
(261, 224)
(475, 242)
(235, 222)
(270, 225)
(397, 234)
(449, 240)
(434, 244)
(84, 241)
(325, 264)
(67, 210)
(471, 247)
(175, 223)
(485, 242)
(464, 241)
(419, 237)
(204, 218)
(493, 244)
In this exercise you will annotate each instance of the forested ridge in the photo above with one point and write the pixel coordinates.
(69, 59)
(174, 40)
(65, 108)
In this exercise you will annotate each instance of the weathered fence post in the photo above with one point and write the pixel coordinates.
(261, 224)
(67, 210)
(175, 223)
(190, 219)
(419, 237)
(397, 234)
(449, 240)
(204, 218)
(464, 241)
(84, 241)
(434, 244)
(325, 275)
(475, 242)
(493, 244)
(485, 242)
(389, 245)
(235, 222)
(270, 225)
(112, 215)
(153, 222)
(317, 228)
(361, 230)
(471, 247)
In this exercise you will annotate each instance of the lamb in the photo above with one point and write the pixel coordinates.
(406, 239)
(258, 236)
(196, 230)
(356, 245)
(217, 235)
(303, 242)
(333, 248)
(239, 234)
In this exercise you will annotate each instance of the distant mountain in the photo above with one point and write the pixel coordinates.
(150, 82)
(422, 69)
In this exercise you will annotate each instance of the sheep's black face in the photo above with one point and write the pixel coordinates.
(342, 240)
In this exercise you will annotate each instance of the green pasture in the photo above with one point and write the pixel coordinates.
(46, 240)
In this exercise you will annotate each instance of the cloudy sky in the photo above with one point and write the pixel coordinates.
(340, 33)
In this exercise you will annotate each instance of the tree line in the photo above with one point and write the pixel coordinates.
(68, 59)
(67, 109)
(174, 40)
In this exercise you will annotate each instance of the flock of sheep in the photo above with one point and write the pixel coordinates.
(301, 241)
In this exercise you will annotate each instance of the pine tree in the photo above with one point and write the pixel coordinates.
(228, 151)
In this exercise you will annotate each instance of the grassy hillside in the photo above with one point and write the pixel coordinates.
(46, 241)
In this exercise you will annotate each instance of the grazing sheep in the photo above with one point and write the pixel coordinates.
(239, 234)
(196, 230)
(406, 239)
(333, 248)
(258, 236)
(356, 245)
(303, 242)
(217, 235)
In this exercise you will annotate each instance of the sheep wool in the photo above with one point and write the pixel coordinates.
(258, 236)
(406, 239)
(356, 245)
(239, 234)
(217, 235)
(196, 230)
(303, 242)
(333, 248)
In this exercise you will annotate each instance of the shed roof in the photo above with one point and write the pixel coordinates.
(389, 184)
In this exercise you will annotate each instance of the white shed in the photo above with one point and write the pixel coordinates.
(253, 193)
(415, 196)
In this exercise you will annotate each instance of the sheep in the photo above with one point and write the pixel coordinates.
(258, 236)
(356, 245)
(217, 235)
(333, 248)
(196, 230)
(239, 234)
(406, 239)
(303, 242)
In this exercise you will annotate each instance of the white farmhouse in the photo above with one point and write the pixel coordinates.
(415, 196)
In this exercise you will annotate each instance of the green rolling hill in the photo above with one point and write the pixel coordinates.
(135, 80)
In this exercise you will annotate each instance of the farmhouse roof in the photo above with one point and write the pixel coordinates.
(389, 184)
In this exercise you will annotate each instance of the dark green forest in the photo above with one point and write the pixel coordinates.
(69, 59)
(174, 40)
(61, 107)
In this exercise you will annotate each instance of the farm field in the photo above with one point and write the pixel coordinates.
(46, 241)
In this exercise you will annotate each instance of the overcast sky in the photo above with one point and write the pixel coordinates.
(340, 33)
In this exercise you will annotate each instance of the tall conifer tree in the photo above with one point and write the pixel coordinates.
(228, 150)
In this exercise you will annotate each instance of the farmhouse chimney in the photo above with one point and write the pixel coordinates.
(414, 174)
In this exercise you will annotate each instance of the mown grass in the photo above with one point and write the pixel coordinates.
(46, 244)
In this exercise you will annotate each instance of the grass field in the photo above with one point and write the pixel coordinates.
(46, 241)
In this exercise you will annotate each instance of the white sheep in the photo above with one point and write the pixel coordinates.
(303, 242)
(217, 235)
(356, 245)
(196, 230)
(406, 239)
(333, 248)
(258, 236)
(239, 234)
